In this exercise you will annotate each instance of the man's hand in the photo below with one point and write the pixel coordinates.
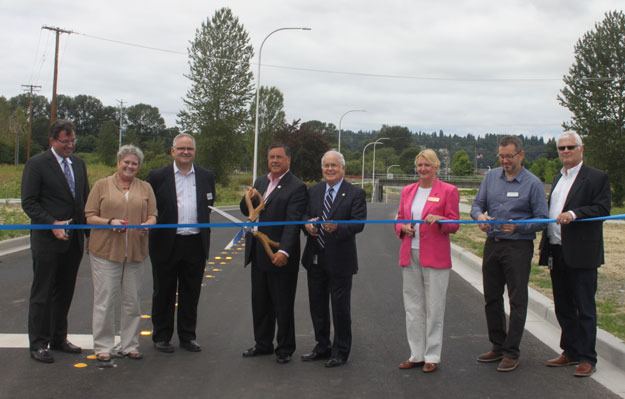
(483, 226)
(312, 229)
(329, 227)
(564, 218)
(61, 234)
(279, 259)
(508, 228)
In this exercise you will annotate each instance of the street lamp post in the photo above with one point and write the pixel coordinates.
(378, 141)
(362, 178)
(389, 168)
(341, 121)
(260, 52)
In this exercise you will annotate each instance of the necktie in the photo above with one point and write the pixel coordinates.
(327, 205)
(68, 177)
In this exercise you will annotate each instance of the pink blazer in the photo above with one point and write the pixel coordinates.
(434, 245)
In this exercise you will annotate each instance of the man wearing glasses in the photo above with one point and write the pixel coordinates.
(54, 191)
(574, 251)
(183, 193)
(509, 192)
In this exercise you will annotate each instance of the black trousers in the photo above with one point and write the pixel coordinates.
(574, 299)
(506, 263)
(325, 288)
(51, 293)
(273, 299)
(182, 273)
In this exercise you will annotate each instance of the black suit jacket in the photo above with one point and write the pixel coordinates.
(287, 202)
(340, 247)
(163, 183)
(582, 243)
(46, 197)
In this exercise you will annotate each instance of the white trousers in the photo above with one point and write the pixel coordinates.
(109, 280)
(425, 292)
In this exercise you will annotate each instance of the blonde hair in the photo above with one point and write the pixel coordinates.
(430, 156)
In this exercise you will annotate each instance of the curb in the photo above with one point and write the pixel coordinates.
(608, 346)
(13, 245)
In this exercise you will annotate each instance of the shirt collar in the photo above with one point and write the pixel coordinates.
(59, 158)
(572, 171)
(279, 178)
(518, 177)
(336, 187)
(178, 171)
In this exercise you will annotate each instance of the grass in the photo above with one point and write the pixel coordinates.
(12, 214)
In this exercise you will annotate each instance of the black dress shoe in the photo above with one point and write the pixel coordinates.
(253, 351)
(314, 355)
(191, 346)
(164, 346)
(283, 358)
(66, 347)
(335, 362)
(42, 355)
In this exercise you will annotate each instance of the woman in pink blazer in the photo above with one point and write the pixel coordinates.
(425, 258)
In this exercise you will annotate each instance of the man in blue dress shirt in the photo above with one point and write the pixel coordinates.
(509, 192)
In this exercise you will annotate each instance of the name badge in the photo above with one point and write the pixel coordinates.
(209, 196)
(434, 199)
(512, 194)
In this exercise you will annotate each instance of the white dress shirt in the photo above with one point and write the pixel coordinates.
(60, 159)
(186, 198)
(557, 200)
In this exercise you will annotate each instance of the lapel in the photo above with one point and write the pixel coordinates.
(200, 189)
(276, 191)
(577, 184)
(59, 174)
(169, 182)
(435, 192)
(340, 195)
(410, 198)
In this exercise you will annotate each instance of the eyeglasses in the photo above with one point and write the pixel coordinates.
(508, 156)
(182, 149)
(567, 147)
(67, 141)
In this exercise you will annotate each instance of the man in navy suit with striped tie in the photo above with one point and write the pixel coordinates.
(331, 259)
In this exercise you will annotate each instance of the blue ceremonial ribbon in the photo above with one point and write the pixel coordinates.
(285, 223)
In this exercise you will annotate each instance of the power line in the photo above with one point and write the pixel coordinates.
(361, 74)
(30, 89)
(58, 32)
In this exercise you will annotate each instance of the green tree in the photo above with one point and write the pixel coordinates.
(307, 149)
(594, 92)
(108, 143)
(406, 160)
(400, 136)
(271, 119)
(460, 164)
(216, 105)
(144, 122)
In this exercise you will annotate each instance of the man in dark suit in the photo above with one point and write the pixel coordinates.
(274, 279)
(574, 251)
(331, 258)
(54, 191)
(184, 192)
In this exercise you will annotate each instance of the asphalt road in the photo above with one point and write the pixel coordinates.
(225, 330)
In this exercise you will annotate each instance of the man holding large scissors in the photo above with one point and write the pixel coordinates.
(274, 279)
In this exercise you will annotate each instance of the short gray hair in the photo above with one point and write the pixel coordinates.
(574, 135)
(181, 135)
(130, 149)
(336, 154)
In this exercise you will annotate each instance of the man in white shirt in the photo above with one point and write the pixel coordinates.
(574, 251)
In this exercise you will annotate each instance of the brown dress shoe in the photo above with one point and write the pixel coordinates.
(409, 365)
(584, 369)
(508, 364)
(560, 361)
(429, 367)
(489, 357)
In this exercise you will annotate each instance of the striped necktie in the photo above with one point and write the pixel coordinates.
(68, 176)
(327, 205)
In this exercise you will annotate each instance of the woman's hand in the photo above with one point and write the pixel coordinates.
(119, 222)
(408, 229)
(431, 218)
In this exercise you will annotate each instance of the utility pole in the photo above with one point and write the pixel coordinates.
(29, 140)
(56, 69)
(121, 120)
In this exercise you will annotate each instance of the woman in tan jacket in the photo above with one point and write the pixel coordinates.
(117, 255)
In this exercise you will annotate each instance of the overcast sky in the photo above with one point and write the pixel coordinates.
(461, 66)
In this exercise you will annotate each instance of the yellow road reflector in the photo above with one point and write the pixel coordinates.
(146, 316)
(80, 365)
(228, 257)
(145, 333)
(224, 252)
(223, 263)
(216, 269)
(210, 276)
(91, 357)
(211, 263)
(217, 257)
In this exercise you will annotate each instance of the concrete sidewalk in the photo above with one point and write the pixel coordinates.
(542, 323)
